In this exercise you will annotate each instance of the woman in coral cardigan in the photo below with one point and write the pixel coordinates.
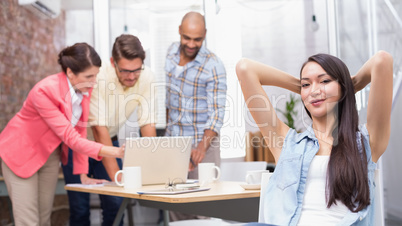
(52, 118)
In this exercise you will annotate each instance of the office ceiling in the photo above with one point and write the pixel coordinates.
(87, 4)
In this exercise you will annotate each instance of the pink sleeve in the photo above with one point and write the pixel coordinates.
(80, 163)
(61, 126)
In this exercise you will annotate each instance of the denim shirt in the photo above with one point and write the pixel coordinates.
(286, 187)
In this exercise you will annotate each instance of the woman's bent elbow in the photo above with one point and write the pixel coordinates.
(241, 67)
(383, 58)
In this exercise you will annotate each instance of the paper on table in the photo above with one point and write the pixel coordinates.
(172, 191)
(84, 185)
(110, 183)
(188, 181)
(187, 185)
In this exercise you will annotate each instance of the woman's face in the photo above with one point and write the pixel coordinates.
(83, 81)
(319, 91)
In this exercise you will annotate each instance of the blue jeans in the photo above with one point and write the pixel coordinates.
(79, 201)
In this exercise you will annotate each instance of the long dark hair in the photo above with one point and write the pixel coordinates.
(78, 58)
(347, 179)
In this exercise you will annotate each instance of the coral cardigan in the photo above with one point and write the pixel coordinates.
(42, 124)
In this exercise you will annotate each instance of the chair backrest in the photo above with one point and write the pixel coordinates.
(264, 183)
(379, 201)
(236, 171)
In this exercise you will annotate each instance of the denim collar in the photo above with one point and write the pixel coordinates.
(308, 133)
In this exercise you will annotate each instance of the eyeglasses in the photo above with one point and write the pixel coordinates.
(171, 184)
(128, 72)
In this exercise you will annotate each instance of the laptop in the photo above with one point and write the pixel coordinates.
(162, 159)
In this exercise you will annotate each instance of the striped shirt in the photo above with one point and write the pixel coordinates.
(196, 95)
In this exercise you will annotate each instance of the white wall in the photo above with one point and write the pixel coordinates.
(392, 166)
(390, 39)
(79, 26)
(224, 39)
(278, 33)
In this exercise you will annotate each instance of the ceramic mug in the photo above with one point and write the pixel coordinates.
(208, 173)
(254, 176)
(131, 177)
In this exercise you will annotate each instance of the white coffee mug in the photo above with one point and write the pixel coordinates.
(131, 177)
(207, 174)
(254, 176)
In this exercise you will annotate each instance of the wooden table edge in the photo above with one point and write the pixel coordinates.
(178, 198)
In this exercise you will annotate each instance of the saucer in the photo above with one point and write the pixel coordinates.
(251, 186)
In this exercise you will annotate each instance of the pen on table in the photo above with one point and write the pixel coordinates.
(192, 162)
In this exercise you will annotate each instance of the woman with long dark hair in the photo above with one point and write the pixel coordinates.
(53, 118)
(324, 175)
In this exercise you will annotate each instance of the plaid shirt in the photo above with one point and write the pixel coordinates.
(196, 97)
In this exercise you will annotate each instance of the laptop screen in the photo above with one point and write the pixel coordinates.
(162, 159)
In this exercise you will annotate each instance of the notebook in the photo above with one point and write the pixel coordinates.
(162, 159)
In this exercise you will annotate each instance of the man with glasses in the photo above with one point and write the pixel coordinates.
(124, 85)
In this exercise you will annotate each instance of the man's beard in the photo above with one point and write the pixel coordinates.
(191, 56)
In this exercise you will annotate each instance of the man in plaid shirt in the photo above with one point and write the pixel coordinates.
(195, 92)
